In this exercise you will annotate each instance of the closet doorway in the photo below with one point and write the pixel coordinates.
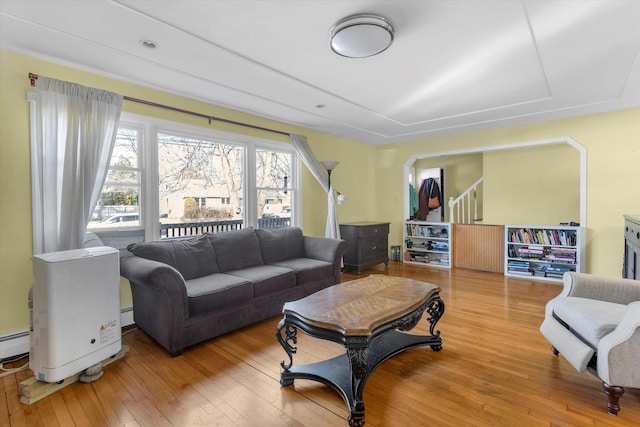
(437, 175)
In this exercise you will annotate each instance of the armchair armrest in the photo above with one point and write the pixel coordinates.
(602, 288)
(619, 352)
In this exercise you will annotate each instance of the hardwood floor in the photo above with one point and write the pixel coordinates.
(495, 369)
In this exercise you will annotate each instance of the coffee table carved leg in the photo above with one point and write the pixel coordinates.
(287, 342)
(359, 367)
(435, 309)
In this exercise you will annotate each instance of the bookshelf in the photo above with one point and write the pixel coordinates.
(543, 252)
(427, 243)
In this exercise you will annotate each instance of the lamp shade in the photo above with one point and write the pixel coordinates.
(329, 164)
(360, 36)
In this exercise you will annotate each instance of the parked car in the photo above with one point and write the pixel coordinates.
(118, 220)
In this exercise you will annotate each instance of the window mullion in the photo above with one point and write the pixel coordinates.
(250, 190)
(150, 182)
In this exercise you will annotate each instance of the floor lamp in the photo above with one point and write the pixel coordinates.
(329, 165)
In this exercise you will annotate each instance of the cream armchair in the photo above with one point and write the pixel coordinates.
(595, 324)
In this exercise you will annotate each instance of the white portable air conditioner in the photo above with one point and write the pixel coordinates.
(76, 311)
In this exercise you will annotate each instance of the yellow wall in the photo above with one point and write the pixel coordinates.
(370, 176)
(612, 141)
(545, 179)
(352, 177)
(460, 172)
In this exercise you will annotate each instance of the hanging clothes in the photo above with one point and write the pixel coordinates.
(413, 201)
(434, 193)
(428, 188)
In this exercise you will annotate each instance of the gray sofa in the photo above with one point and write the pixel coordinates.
(190, 290)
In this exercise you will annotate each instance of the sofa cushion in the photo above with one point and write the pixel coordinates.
(308, 270)
(191, 257)
(590, 319)
(236, 249)
(267, 279)
(278, 244)
(217, 291)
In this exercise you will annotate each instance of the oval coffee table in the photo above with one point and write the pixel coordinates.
(366, 317)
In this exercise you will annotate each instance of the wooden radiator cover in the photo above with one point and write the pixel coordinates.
(478, 247)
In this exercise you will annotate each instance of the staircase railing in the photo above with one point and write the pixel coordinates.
(460, 208)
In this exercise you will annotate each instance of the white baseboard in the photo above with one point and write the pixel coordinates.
(126, 316)
(14, 344)
(18, 342)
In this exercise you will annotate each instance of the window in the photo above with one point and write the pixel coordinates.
(192, 170)
(273, 195)
(171, 179)
(119, 201)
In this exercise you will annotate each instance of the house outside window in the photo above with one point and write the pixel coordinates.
(119, 202)
(273, 193)
(193, 170)
(180, 179)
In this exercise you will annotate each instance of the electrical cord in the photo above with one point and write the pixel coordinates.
(14, 359)
(7, 372)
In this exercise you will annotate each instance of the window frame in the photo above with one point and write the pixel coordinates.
(149, 203)
(138, 169)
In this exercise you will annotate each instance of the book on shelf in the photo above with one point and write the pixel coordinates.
(539, 236)
(540, 270)
(422, 230)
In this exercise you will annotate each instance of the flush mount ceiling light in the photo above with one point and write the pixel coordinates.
(360, 36)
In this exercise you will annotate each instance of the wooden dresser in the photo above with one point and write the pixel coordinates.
(631, 247)
(367, 244)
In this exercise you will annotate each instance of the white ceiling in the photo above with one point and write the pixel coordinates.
(454, 66)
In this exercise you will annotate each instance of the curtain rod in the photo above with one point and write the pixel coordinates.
(33, 77)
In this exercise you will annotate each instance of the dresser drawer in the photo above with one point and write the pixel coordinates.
(373, 230)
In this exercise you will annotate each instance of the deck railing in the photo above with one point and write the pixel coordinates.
(195, 228)
(275, 222)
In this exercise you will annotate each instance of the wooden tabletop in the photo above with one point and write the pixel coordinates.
(357, 307)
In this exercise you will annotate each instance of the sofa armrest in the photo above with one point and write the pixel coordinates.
(162, 279)
(325, 249)
(619, 352)
(160, 304)
(602, 288)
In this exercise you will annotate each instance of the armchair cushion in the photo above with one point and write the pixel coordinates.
(590, 319)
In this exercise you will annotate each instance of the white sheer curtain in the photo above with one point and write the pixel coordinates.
(304, 151)
(75, 130)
